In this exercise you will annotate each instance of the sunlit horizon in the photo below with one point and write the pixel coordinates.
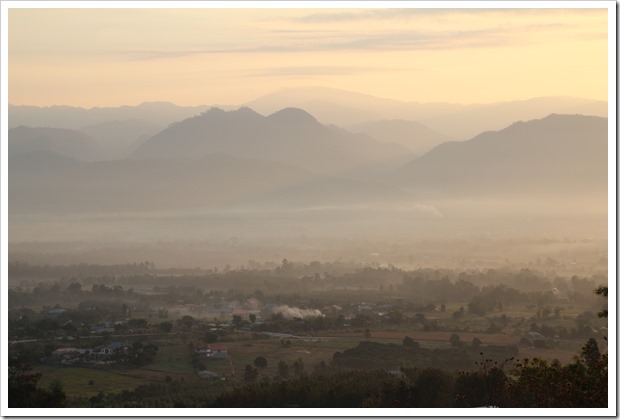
(113, 57)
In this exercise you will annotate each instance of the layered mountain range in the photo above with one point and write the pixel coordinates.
(290, 136)
(240, 158)
(456, 121)
(558, 154)
(308, 174)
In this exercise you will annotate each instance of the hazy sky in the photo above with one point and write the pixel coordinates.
(110, 57)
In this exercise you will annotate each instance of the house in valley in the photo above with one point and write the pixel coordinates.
(69, 355)
(212, 351)
(207, 374)
(107, 351)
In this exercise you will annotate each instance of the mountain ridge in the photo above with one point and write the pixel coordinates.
(68, 142)
(290, 136)
(556, 153)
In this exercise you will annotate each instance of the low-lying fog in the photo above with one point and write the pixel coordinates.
(225, 187)
(442, 233)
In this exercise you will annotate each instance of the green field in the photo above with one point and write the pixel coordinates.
(75, 380)
(174, 358)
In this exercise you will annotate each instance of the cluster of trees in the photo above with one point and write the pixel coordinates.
(67, 293)
(539, 383)
(24, 390)
(511, 383)
(139, 354)
(171, 393)
(369, 354)
(432, 284)
(527, 383)
(25, 322)
(484, 292)
(20, 269)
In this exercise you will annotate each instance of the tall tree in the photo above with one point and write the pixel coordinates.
(260, 362)
(24, 391)
(602, 291)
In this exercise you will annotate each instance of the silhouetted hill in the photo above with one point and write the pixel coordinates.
(35, 177)
(330, 106)
(47, 182)
(415, 136)
(344, 108)
(559, 154)
(70, 143)
(289, 136)
(32, 161)
(60, 116)
(472, 120)
(293, 117)
(119, 138)
(117, 131)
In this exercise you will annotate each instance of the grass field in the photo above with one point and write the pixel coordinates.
(75, 380)
(174, 358)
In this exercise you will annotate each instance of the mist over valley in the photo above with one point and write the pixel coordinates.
(286, 210)
(285, 184)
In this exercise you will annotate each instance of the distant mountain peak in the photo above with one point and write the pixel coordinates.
(555, 153)
(42, 158)
(293, 115)
(246, 111)
(219, 112)
(214, 110)
(157, 104)
(290, 136)
(552, 120)
(71, 143)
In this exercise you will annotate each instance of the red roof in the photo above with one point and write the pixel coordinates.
(208, 346)
(218, 348)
